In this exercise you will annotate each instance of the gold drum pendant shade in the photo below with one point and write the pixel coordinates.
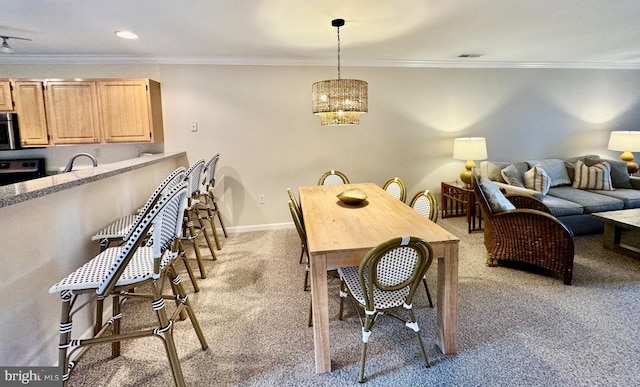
(339, 101)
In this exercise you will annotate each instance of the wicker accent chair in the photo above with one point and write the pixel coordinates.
(333, 177)
(117, 269)
(395, 186)
(528, 234)
(384, 284)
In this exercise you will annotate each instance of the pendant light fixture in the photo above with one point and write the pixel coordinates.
(339, 101)
(6, 48)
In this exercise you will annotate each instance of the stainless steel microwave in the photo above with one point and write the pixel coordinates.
(9, 132)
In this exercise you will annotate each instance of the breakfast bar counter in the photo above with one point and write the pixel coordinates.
(19, 192)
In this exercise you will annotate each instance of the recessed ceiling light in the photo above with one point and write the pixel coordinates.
(126, 34)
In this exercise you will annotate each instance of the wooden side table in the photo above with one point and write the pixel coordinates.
(457, 200)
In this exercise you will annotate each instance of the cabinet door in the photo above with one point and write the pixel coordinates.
(6, 103)
(32, 120)
(126, 111)
(72, 112)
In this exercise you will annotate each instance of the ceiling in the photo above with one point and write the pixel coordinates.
(507, 33)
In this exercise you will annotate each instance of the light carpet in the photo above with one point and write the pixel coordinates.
(516, 328)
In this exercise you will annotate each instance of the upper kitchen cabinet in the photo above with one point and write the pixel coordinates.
(72, 112)
(131, 110)
(6, 103)
(32, 120)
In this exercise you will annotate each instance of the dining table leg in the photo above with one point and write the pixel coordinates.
(447, 303)
(320, 304)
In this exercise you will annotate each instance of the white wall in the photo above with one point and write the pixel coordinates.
(259, 118)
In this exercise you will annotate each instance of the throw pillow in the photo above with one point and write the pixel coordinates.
(570, 164)
(597, 177)
(495, 197)
(512, 176)
(619, 172)
(555, 169)
(537, 179)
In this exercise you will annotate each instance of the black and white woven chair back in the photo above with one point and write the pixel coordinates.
(391, 272)
(333, 177)
(176, 177)
(425, 203)
(175, 197)
(210, 171)
(194, 177)
(396, 188)
(167, 227)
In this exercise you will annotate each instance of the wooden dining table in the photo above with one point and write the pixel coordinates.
(340, 234)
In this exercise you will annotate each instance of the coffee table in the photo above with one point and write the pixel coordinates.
(614, 223)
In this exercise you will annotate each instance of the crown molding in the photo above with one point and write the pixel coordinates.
(270, 61)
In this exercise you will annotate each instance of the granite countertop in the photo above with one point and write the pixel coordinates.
(20, 192)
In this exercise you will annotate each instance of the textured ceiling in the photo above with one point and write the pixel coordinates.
(511, 33)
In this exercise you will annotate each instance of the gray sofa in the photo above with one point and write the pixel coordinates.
(572, 206)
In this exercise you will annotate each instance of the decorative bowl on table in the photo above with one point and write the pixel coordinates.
(352, 196)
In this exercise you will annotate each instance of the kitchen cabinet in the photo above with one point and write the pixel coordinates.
(6, 103)
(131, 110)
(72, 109)
(32, 119)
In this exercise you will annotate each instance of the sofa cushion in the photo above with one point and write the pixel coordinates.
(495, 197)
(561, 207)
(589, 200)
(555, 168)
(630, 197)
(513, 176)
(537, 179)
(597, 177)
(619, 172)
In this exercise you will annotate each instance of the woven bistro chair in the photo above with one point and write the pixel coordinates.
(118, 230)
(123, 229)
(209, 206)
(528, 234)
(396, 188)
(425, 203)
(117, 269)
(298, 210)
(303, 240)
(333, 177)
(191, 232)
(384, 284)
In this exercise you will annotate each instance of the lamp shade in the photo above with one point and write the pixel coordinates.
(470, 148)
(340, 101)
(624, 141)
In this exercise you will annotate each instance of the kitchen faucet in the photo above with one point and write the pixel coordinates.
(69, 166)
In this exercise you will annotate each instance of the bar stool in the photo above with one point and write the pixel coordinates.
(191, 233)
(209, 206)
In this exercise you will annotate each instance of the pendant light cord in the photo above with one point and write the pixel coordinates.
(338, 52)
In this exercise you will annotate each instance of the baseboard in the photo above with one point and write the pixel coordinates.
(257, 227)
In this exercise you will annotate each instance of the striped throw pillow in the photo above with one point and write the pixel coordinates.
(597, 177)
(537, 179)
